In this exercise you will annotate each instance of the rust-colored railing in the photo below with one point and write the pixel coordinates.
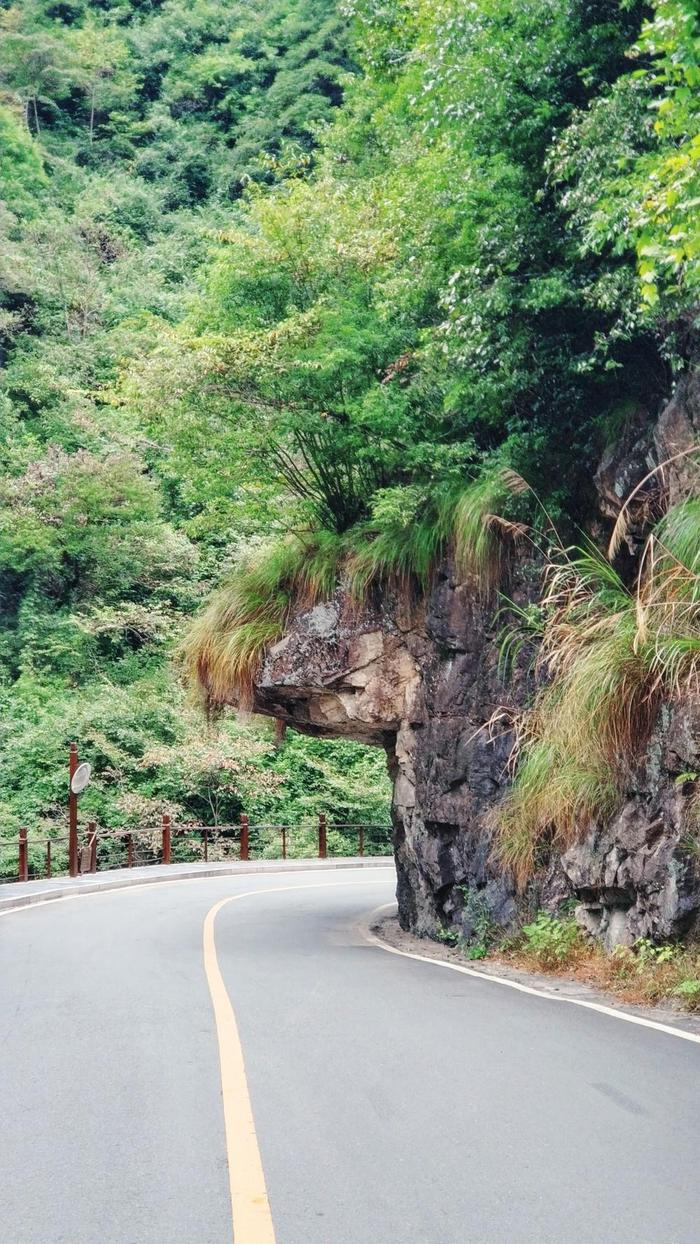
(95, 849)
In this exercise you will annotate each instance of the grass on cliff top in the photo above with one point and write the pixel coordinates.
(608, 657)
(221, 654)
(222, 650)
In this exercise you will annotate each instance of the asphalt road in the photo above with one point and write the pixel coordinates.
(395, 1102)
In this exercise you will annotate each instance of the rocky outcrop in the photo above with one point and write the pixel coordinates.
(421, 679)
(676, 432)
(624, 464)
(638, 875)
(340, 672)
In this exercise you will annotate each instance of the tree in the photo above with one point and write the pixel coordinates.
(34, 65)
(101, 59)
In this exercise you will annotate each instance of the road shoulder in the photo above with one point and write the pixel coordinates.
(384, 928)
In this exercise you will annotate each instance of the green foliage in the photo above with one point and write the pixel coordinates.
(151, 755)
(648, 953)
(22, 176)
(125, 130)
(550, 941)
(476, 950)
(416, 311)
(645, 190)
(667, 182)
(328, 283)
(480, 934)
(688, 991)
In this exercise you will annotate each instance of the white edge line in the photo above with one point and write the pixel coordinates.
(537, 993)
(377, 942)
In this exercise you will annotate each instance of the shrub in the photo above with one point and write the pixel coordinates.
(552, 942)
(689, 991)
(476, 950)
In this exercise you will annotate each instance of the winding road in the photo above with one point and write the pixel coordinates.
(156, 1041)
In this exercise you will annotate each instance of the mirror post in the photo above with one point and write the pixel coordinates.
(72, 813)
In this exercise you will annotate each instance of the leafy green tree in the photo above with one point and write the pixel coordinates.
(34, 65)
(631, 162)
(101, 56)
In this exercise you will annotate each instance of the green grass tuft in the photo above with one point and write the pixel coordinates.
(400, 556)
(399, 547)
(481, 536)
(609, 656)
(221, 654)
(466, 520)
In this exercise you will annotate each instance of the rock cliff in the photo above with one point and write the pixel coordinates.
(421, 679)
(423, 683)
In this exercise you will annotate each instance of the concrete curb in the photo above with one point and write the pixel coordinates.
(28, 893)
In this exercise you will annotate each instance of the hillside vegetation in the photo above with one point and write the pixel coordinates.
(127, 135)
(307, 289)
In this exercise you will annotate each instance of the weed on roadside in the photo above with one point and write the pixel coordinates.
(645, 973)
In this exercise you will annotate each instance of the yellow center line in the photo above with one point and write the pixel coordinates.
(250, 1206)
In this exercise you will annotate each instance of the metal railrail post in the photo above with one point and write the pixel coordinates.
(23, 865)
(167, 840)
(245, 840)
(322, 839)
(130, 850)
(362, 840)
(48, 857)
(92, 841)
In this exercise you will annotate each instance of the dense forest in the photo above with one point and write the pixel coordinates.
(129, 134)
(301, 290)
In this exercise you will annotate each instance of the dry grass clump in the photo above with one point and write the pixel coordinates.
(651, 974)
(608, 656)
